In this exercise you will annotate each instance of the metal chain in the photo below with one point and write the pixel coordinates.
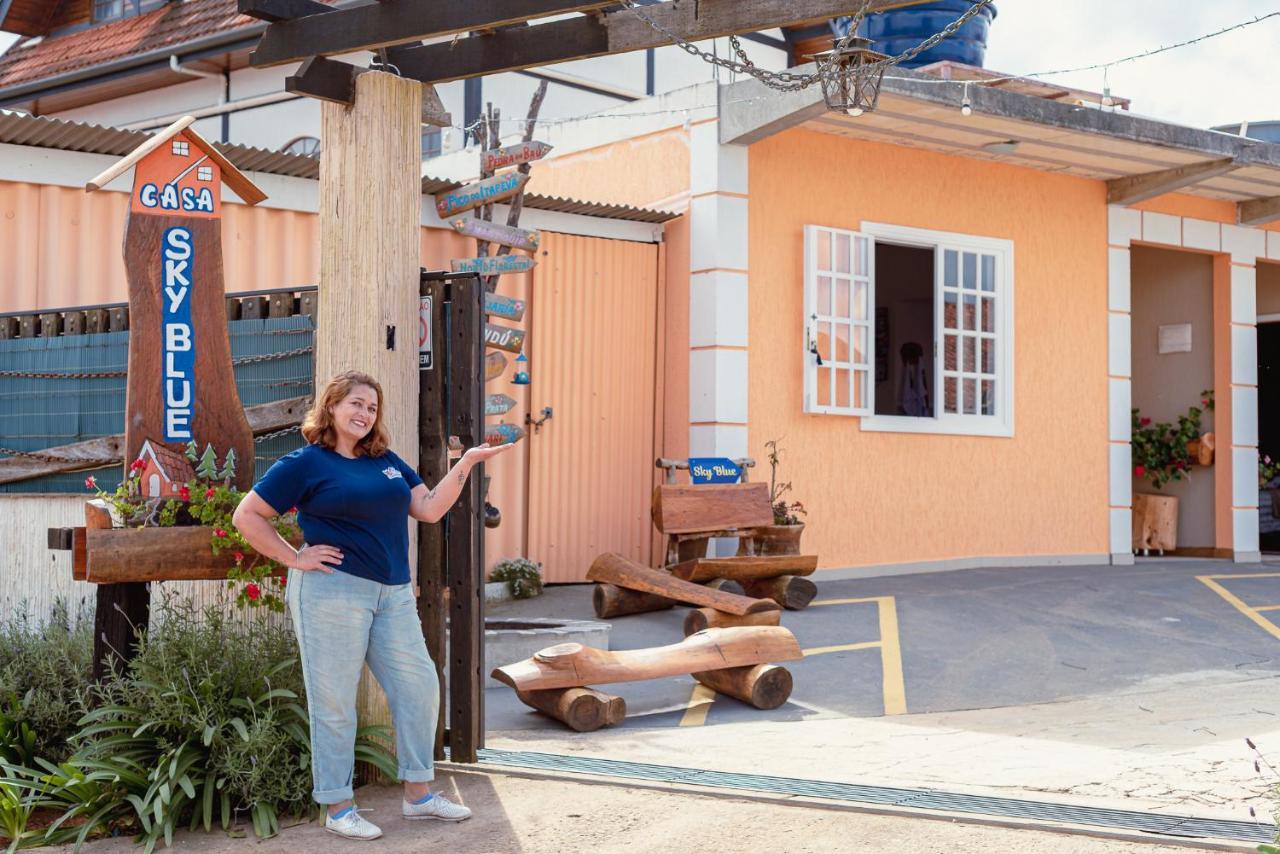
(285, 432)
(785, 81)
(97, 375)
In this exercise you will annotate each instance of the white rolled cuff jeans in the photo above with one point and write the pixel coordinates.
(343, 621)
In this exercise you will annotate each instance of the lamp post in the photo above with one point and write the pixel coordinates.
(853, 86)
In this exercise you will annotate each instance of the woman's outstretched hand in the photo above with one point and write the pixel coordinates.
(480, 453)
(317, 559)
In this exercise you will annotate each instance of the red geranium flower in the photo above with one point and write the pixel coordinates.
(218, 532)
(239, 557)
(252, 591)
(284, 579)
(1139, 471)
(1145, 422)
(293, 510)
(184, 493)
(90, 483)
(137, 465)
(210, 492)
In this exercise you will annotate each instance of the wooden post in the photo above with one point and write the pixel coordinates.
(433, 463)
(370, 209)
(119, 609)
(465, 532)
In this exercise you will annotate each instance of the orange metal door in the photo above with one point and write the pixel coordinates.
(592, 351)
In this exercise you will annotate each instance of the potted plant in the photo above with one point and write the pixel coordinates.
(523, 577)
(1162, 454)
(783, 536)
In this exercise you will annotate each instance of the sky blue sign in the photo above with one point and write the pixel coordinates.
(179, 346)
(713, 470)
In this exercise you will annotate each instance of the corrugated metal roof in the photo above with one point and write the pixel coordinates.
(23, 129)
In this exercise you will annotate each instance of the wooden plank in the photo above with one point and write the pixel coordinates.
(433, 111)
(494, 365)
(28, 325)
(513, 155)
(487, 192)
(9, 328)
(254, 308)
(571, 665)
(73, 323)
(51, 324)
(465, 542)
(307, 305)
(325, 79)
(119, 319)
(615, 569)
(494, 265)
(282, 10)
(393, 22)
(504, 337)
(157, 554)
(433, 464)
(498, 404)
(280, 305)
(79, 556)
(507, 308)
(133, 157)
(685, 509)
(617, 32)
(264, 418)
(742, 568)
(60, 539)
(1131, 189)
(96, 321)
(1258, 211)
(493, 232)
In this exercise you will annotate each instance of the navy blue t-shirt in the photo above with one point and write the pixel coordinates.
(360, 506)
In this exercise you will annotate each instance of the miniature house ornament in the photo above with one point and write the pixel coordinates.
(181, 391)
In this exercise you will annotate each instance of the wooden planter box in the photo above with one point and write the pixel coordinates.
(114, 555)
(775, 540)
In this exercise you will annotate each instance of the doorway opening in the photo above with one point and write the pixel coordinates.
(904, 330)
(1268, 397)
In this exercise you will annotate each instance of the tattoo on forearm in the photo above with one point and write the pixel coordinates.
(462, 477)
(431, 494)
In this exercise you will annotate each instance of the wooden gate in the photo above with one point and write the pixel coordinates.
(592, 355)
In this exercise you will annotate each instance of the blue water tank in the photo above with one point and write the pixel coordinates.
(902, 29)
(1268, 131)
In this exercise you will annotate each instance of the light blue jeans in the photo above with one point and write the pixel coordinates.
(343, 621)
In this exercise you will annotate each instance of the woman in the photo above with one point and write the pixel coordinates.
(349, 592)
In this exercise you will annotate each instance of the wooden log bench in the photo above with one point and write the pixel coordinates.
(631, 588)
(736, 661)
(690, 515)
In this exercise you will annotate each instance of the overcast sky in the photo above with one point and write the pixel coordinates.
(1223, 80)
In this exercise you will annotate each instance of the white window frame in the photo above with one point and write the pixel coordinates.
(812, 319)
(180, 147)
(1000, 424)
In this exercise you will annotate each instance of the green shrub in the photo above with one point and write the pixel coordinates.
(45, 670)
(523, 576)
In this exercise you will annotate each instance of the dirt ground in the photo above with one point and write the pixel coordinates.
(547, 815)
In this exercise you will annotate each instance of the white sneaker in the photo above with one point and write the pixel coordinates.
(439, 807)
(352, 825)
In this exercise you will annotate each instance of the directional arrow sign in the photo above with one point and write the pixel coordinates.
(505, 307)
(493, 265)
(516, 238)
(504, 337)
(484, 192)
(498, 404)
(494, 365)
(502, 434)
(513, 155)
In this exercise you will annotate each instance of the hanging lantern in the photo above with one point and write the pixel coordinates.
(522, 372)
(852, 85)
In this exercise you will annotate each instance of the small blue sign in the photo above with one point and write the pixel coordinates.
(713, 470)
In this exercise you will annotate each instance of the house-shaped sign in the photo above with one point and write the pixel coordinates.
(180, 383)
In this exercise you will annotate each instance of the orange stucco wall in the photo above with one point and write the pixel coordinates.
(877, 498)
(1181, 204)
(647, 171)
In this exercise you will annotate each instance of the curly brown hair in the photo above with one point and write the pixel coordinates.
(318, 429)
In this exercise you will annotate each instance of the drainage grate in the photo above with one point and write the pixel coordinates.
(1168, 825)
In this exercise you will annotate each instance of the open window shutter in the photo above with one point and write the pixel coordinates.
(968, 324)
(838, 301)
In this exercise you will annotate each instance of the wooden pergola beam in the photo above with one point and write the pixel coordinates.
(393, 22)
(1258, 211)
(1137, 188)
(282, 10)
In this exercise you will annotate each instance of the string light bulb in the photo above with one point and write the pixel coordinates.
(966, 107)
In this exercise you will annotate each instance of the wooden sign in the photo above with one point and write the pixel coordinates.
(493, 232)
(713, 470)
(180, 387)
(498, 404)
(494, 265)
(505, 307)
(486, 192)
(513, 155)
(494, 365)
(504, 337)
(502, 434)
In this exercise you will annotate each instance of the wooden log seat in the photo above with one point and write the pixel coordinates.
(617, 570)
(572, 665)
(610, 600)
(744, 568)
(581, 709)
(765, 686)
(709, 618)
(789, 591)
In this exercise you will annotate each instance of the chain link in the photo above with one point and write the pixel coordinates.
(785, 81)
(278, 433)
(98, 375)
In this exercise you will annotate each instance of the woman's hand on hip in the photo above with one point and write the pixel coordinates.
(317, 559)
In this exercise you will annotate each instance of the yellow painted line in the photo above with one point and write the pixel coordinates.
(699, 704)
(1267, 608)
(895, 688)
(1265, 624)
(1242, 575)
(876, 599)
(844, 647)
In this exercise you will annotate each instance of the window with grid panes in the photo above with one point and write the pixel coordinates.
(961, 344)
